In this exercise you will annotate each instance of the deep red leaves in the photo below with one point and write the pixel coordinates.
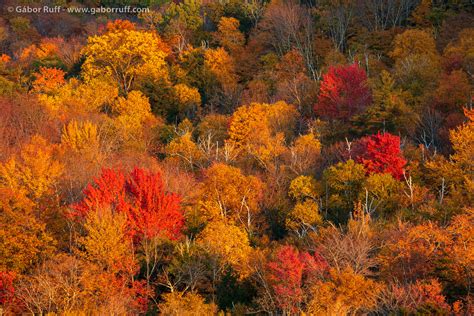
(151, 211)
(381, 153)
(343, 93)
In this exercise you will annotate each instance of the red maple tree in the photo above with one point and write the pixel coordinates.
(381, 153)
(288, 270)
(150, 210)
(343, 93)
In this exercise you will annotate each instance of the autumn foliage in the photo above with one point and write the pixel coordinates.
(381, 153)
(263, 157)
(7, 290)
(288, 271)
(150, 211)
(344, 92)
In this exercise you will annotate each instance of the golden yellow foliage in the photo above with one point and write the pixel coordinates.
(229, 35)
(303, 187)
(461, 251)
(345, 181)
(384, 189)
(304, 216)
(80, 136)
(282, 118)
(185, 304)
(221, 65)
(23, 239)
(228, 243)
(261, 130)
(305, 153)
(246, 122)
(186, 150)
(462, 139)
(228, 194)
(131, 113)
(413, 42)
(80, 97)
(345, 293)
(188, 97)
(105, 243)
(460, 167)
(124, 56)
(135, 105)
(35, 172)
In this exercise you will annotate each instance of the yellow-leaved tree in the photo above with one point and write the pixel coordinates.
(79, 97)
(458, 170)
(345, 293)
(186, 151)
(261, 130)
(106, 243)
(34, 172)
(229, 246)
(305, 215)
(129, 117)
(185, 304)
(227, 194)
(123, 56)
(305, 154)
(220, 64)
(80, 136)
(228, 34)
(24, 240)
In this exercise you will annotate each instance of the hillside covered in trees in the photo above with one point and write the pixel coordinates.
(237, 157)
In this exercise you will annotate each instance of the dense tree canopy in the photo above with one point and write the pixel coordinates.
(257, 157)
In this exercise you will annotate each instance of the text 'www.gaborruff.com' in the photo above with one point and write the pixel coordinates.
(79, 10)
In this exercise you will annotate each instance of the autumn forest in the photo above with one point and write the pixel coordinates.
(237, 157)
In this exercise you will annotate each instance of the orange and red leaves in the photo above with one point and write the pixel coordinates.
(151, 211)
(7, 290)
(48, 79)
